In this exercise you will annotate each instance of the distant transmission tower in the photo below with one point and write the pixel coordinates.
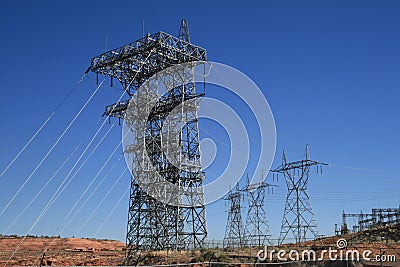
(298, 217)
(257, 228)
(234, 231)
(154, 224)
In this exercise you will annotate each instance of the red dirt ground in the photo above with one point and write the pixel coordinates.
(60, 251)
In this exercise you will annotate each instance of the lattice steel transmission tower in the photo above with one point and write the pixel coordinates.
(175, 220)
(257, 228)
(234, 231)
(298, 217)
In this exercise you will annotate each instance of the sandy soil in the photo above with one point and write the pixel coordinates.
(60, 251)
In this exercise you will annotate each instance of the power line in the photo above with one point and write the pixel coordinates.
(112, 211)
(42, 188)
(364, 169)
(51, 149)
(101, 202)
(70, 211)
(98, 185)
(41, 127)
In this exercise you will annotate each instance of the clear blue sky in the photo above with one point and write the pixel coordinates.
(329, 69)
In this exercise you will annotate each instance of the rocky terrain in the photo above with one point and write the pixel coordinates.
(60, 251)
(54, 251)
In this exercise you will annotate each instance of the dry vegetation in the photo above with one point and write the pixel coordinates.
(89, 252)
(60, 251)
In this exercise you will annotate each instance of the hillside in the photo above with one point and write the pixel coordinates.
(60, 251)
(89, 252)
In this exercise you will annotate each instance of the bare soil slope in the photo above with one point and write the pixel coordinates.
(60, 251)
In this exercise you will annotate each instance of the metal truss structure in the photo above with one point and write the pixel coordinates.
(366, 221)
(234, 231)
(360, 217)
(298, 217)
(257, 228)
(168, 135)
